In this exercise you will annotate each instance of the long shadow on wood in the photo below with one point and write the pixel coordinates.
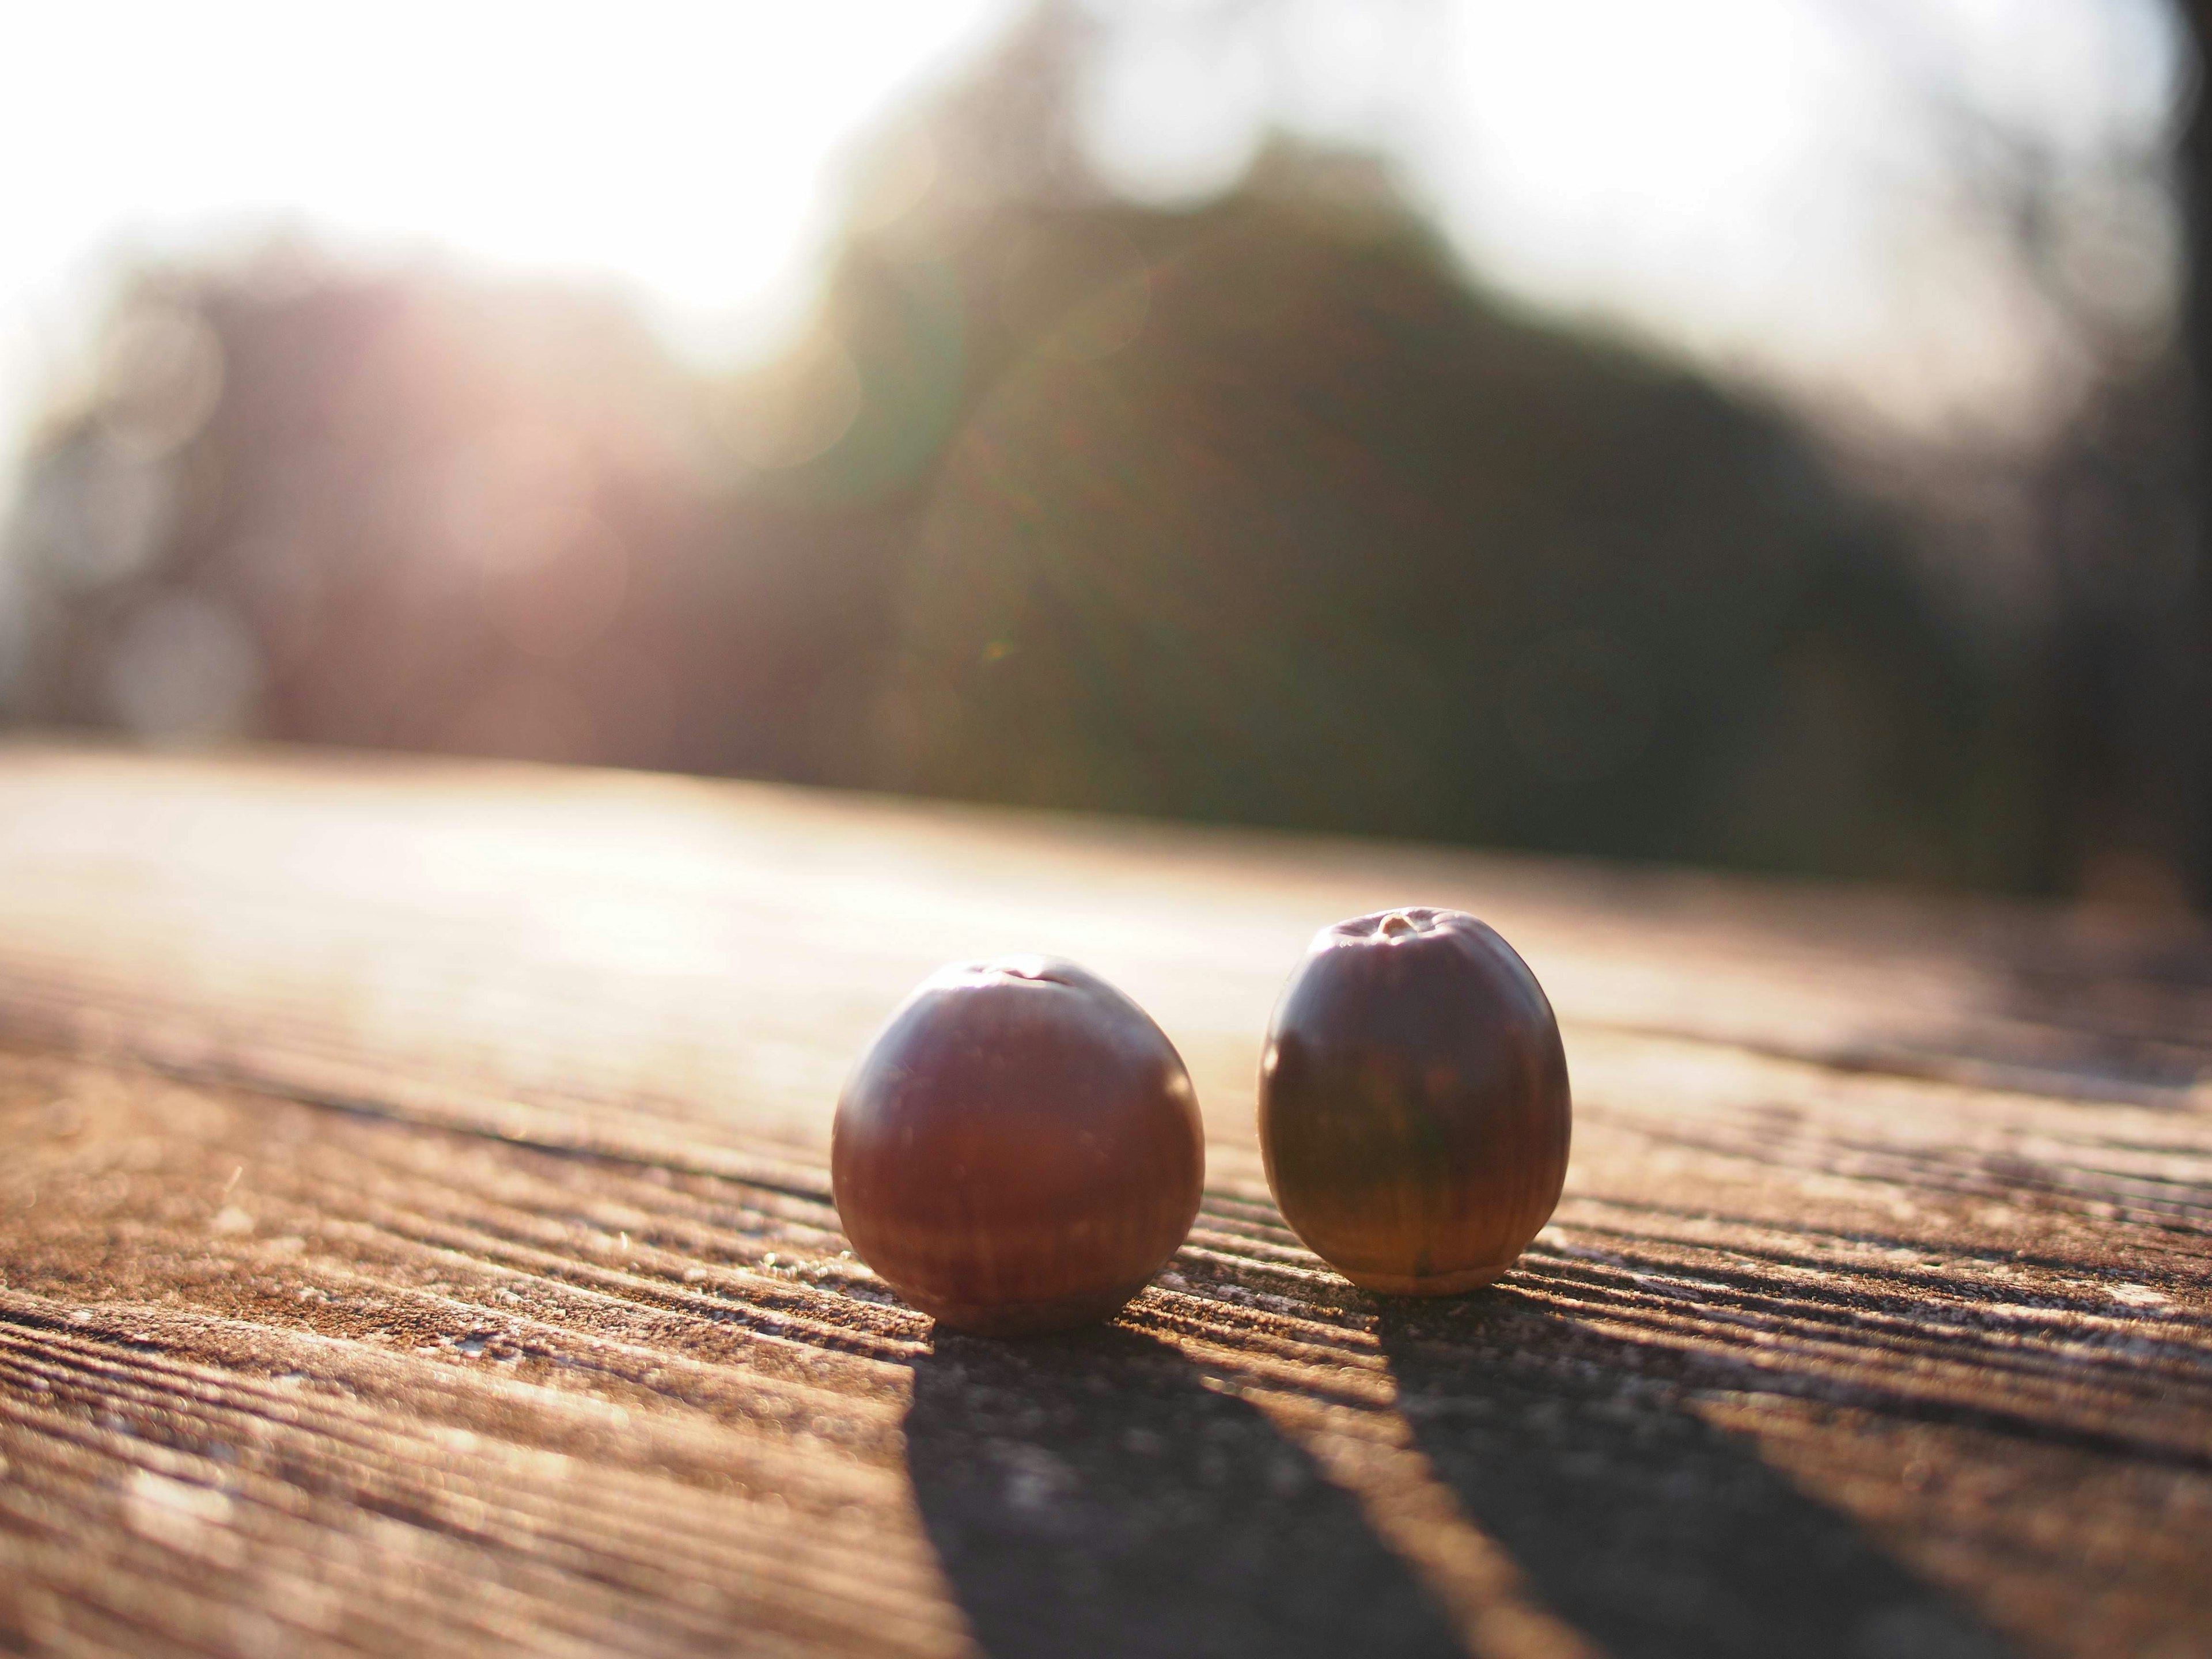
(1654, 1533)
(1089, 1497)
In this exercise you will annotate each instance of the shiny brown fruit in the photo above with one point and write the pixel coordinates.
(1413, 1109)
(1020, 1151)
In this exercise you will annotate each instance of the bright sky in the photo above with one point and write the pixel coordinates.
(684, 148)
(1785, 187)
(1768, 183)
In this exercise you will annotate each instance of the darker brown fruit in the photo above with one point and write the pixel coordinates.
(1020, 1151)
(1413, 1107)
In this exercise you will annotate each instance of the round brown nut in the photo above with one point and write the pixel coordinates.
(1413, 1104)
(1020, 1149)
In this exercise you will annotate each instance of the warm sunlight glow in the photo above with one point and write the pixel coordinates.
(683, 149)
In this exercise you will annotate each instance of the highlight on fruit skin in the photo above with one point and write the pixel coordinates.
(1414, 1112)
(1020, 1149)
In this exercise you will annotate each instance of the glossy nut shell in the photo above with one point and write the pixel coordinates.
(1413, 1102)
(1020, 1149)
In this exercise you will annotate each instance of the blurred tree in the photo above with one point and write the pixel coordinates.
(1257, 511)
(1254, 511)
(398, 512)
(2071, 547)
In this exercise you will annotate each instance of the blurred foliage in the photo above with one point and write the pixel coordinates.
(1253, 511)
(1330, 542)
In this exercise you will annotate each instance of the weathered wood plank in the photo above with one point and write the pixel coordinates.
(417, 1237)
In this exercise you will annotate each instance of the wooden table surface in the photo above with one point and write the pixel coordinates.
(415, 1238)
